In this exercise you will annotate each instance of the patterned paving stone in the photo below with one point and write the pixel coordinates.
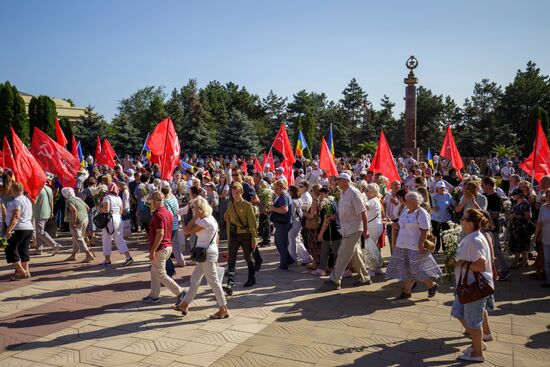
(108, 357)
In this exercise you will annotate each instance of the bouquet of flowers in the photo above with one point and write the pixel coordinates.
(97, 193)
(327, 206)
(265, 194)
(451, 238)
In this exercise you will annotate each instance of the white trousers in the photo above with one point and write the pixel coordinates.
(208, 269)
(114, 226)
(373, 259)
(296, 244)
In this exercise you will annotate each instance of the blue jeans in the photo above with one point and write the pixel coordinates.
(281, 242)
(471, 313)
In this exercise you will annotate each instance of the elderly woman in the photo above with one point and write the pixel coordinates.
(410, 261)
(375, 225)
(281, 216)
(76, 214)
(471, 199)
(542, 235)
(296, 246)
(440, 213)
(111, 203)
(520, 235)
(205, 227)
(474, 251)
(19, 231)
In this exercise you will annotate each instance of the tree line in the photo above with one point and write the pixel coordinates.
(228, 119)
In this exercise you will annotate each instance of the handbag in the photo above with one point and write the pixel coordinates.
(198, 254)
(429, 242)
(101, 220)
(480, 287)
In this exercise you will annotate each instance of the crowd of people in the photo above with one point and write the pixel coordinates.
(335, 226)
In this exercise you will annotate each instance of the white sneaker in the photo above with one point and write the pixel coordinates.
(469, 358)
(470, 349)
(487, 337)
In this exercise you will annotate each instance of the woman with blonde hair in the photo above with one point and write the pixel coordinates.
(205, 227)
(373, 257)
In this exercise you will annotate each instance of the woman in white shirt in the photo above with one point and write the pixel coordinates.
(473, 250)
(410, 261)
(205, 227)
(112, 203)
(19, 232)
(373, 258)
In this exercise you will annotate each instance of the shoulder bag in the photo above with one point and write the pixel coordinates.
(198, 254)
(480, 287)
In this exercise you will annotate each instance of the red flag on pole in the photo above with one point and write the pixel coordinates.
(326, 162)
(28, 171)
(257, 167)
(244, 168)
(54, 158)
(271, 161)
(106, 156)
(383, 160)
(61, 139)
(74, 148)
(7, 156)
(164, 142)
(449, 151)
(537, 165)
(282, 144)
(289, 174)
(97, 151)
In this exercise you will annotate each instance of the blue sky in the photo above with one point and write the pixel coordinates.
(97, 52)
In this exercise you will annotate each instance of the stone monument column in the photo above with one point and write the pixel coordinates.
(410, 109)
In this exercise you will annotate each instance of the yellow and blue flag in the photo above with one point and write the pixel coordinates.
(80, 154)
(146, 149)
(331, 141)
(429, 158)
(301, 144)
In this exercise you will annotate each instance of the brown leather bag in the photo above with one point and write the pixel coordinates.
(480, 287)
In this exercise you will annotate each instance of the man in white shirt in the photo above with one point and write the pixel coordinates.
(506, 172)
(353, 221)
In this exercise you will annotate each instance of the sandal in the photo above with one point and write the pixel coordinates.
(19, 276)
(404, 295)
(218, 316)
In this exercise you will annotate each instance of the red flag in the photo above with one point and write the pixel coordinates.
(383, 160)
(54, 158)
(97, 151)
(1, 159)
(7, 156)
(282, 144)
(271, 161)
(28, 171)
(74, 148)
(289, 174)
(244, 168)
(106, 156)
(61, 139)
(257, 167)
(449, 151)
(326, 162)
(537, 165)
(164, 142)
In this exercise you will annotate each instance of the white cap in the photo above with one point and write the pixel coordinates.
(130, 171)
(344, 176)
(440, 185)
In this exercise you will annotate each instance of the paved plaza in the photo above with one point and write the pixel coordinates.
(73, 314)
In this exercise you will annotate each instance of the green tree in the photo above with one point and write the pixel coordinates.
(275, 113)
(529, 90)
(430, 117)
(42, 114)
(90, 126)
(541, 114)
(125, 137)
(143, 109)
(67, 129)
(309, 132)
(196, 137)
(12, 112)
(239, 135)
(393, 128)
(358, 113)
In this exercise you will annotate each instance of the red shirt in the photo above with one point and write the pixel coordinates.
(162, 219)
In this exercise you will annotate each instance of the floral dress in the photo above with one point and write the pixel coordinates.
(313, 225)
(520, 236)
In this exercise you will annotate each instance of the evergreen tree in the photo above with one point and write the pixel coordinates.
(358, 114)
(90, 126)
(125, 137)
(529, 90)
(239, 136)
(174, 109)
(297, 128)
(12, 112)
(215, 99)
(309, 132)
(42, 114)
(275, 113)
(197, 138)
(393, 129)
(541, 114)
(143, 109)
(67, 129)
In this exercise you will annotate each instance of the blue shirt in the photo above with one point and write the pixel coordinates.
(442, 202)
